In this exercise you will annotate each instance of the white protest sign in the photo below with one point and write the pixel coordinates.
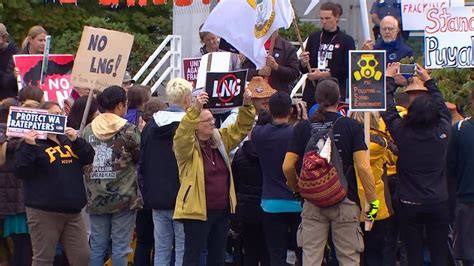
(101, 59)
(412, 10)
(212, 62)
(449, 38)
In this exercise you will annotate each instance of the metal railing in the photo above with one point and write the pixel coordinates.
(172, 43)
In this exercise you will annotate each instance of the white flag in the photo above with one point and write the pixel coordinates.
(247, 24)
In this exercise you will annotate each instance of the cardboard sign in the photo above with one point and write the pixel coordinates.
(225, 90)
(449, 38)
(101, 59)
(23, 120)
(190, 69)
(413, 10)
(367, 81)
(57, 79)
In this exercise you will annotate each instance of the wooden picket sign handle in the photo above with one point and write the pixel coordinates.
(300, 40)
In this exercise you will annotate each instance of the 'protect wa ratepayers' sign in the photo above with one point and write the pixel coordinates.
(23, 120)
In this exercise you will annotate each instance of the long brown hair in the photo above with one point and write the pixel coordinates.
(327, 94)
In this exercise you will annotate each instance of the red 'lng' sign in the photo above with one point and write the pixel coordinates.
(56, 84)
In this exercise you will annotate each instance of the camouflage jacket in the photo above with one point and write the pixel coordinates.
(111, 180)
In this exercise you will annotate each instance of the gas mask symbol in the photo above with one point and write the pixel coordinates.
(367, 64)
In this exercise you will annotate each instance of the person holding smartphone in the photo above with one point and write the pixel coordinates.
(422, 139)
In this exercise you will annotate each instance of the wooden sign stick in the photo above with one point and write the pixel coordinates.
(300, 40)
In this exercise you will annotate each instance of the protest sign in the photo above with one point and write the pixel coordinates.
(413, 10)
(23, 120)
(449, 38)
(190, 69)
(101, 59)
(367, 81)
(213, 62)
(226, 89)
(57, 80)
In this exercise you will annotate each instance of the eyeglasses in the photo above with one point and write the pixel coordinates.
(210, 120)
(390, 29)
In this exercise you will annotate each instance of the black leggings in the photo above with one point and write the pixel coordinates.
(22, 252)
(432, 219)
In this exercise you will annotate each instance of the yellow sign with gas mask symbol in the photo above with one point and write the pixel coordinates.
(367, 81)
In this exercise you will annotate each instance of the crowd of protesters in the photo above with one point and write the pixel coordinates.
(187, 186)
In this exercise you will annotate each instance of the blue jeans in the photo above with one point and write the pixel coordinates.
(167, 230)
(117, 227)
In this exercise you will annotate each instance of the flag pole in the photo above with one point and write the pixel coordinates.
(300, 40)
(272, 45)
(272, 42)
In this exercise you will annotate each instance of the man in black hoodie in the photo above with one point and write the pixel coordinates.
(327, 53)
(460, 166)
(159, 171)
(8, 87)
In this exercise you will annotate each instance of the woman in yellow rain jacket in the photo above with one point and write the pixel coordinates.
(206, 197)
(380, 156)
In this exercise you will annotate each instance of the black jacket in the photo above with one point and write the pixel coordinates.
(11, 188)
(8, 86)
(288, 70)
(52, 174)
(248, 183)
(461, 159)
(422, 152)
(337, 45)
(158, 169)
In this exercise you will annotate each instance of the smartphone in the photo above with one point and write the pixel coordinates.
(407, 69)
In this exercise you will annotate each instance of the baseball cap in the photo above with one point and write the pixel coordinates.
(3, 30)
(259, 88)
(127, 78)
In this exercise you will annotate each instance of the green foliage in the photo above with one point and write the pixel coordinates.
(65, 23)
(456, 86)
(306, 29)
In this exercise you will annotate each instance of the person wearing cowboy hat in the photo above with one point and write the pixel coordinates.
(260, 92)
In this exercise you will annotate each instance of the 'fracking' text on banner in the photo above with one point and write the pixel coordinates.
(225, 90)
(23, 120)
(101, 59)
(190, 69)
(367, 81)
(449, 38)
(413, 10)
(57, 83)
